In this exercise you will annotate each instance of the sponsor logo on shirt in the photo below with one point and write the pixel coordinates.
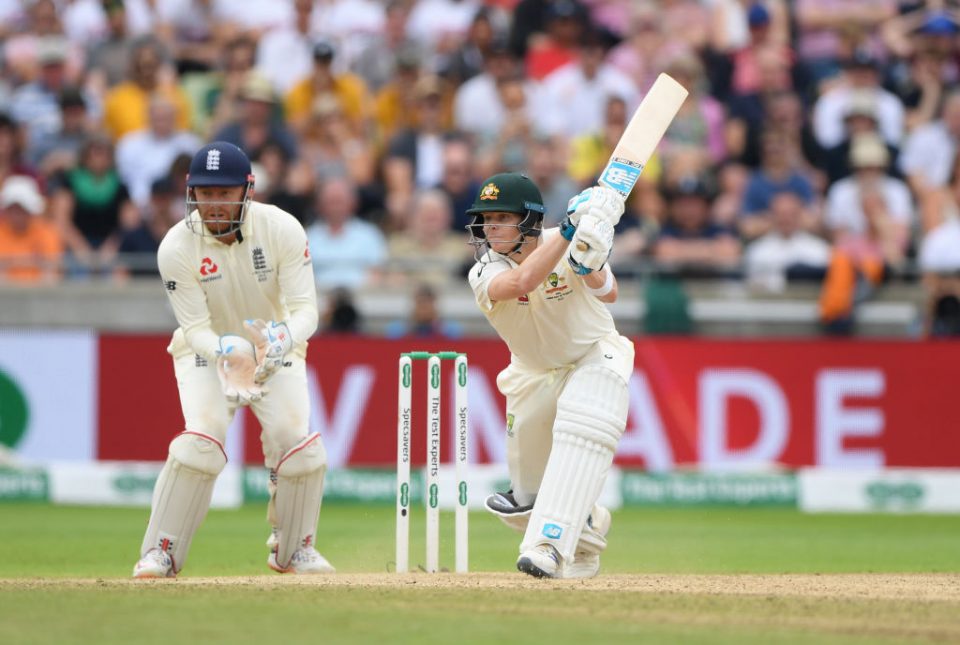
(170, 285)
(207, 267)
(524, 299)
(209, 270)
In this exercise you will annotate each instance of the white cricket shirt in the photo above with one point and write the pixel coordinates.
(213, 287)
(554, 325)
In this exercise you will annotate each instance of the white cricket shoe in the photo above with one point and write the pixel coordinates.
(542, 561)
(586, 564)
(154, 564)
(306, 561)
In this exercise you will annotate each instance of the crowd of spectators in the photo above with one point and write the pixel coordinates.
(819, 141)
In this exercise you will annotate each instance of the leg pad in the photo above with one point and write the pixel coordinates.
(299, 493)
(182, 494)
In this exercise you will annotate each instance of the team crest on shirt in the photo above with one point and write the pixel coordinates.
(557, 287)
(260, 264)
(490, 191)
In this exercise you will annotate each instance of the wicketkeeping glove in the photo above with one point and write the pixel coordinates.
(272, 342)
(591, 245)
(236, 366)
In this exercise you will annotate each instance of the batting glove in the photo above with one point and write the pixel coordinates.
(599, 201)
(591, 245)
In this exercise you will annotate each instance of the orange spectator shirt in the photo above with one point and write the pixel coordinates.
(22, 252)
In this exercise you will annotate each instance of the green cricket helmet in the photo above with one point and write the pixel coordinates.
(508, 192)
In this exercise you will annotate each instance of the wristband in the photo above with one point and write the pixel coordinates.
(606, 288)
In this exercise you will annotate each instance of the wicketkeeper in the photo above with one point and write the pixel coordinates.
(566, 385)
(239, 277)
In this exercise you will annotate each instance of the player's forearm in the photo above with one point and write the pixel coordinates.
(541, 263)
(596, 282)
(531, 272)
(202, 340)
(189, 304)
(303, 323)
(300, 295)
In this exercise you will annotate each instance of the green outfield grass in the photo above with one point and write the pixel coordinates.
(40, 541)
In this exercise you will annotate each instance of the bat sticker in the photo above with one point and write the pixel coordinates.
(621, 175)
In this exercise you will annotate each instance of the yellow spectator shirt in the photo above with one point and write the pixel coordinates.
(349, 90)
(126, 108)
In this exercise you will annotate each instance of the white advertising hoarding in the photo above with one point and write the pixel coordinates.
(48, 394)
(892, 490)
(120, 483)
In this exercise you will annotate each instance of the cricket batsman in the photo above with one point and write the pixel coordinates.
(566, 385)
(239, 277)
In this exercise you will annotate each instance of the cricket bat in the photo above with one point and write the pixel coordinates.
(643, 134)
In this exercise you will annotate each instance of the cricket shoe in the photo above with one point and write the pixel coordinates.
(154, 564)
(586, 561)
(305, 561)
(542, 561)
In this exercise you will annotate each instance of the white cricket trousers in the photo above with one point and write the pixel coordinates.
(284, 413)
(532, 397)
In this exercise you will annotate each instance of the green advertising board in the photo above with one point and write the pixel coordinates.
(353, 485)
(709, 489)
(24, 485)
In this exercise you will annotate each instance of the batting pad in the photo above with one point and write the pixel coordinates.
(591, 541)
(299, 493)
(591, 417)
(182, 494)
